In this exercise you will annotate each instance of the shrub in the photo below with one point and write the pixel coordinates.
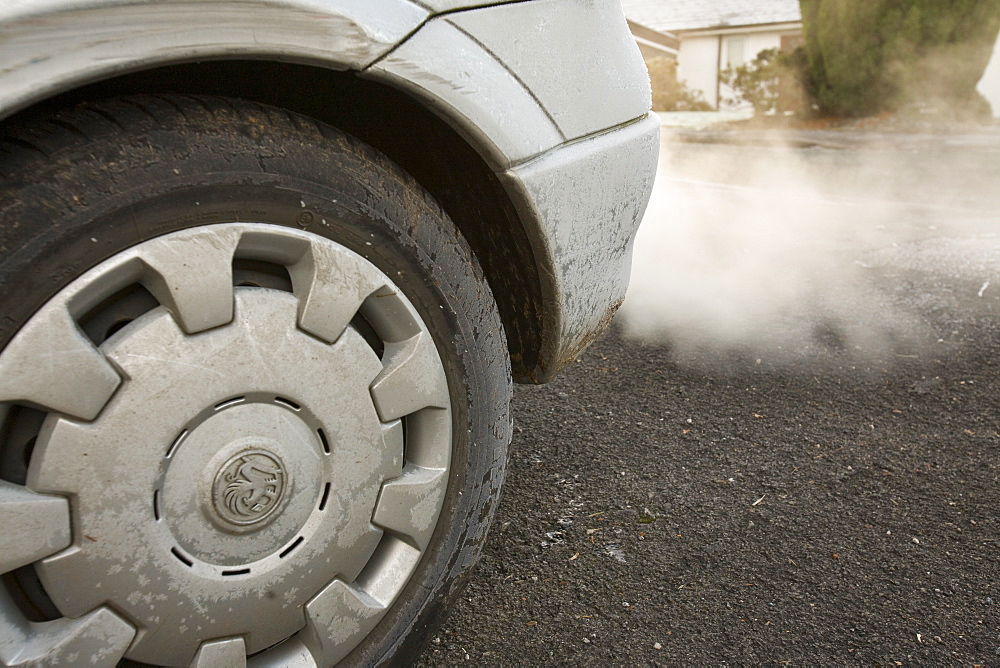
(670, 94)
(774, 81)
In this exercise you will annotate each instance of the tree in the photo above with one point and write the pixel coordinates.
(868, 56)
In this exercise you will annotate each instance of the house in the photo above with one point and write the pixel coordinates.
(714, 35)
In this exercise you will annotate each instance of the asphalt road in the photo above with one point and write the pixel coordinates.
(794, 463)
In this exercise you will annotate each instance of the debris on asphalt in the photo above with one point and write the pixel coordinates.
(614, 551)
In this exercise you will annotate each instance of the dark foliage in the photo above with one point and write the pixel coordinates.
(888, 55)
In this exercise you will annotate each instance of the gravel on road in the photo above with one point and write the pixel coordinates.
(735, 511)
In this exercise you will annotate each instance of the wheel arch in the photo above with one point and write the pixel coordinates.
(405, 129)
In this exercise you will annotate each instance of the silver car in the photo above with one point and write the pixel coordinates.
(268, 270)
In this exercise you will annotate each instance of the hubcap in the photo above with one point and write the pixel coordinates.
(235, 460)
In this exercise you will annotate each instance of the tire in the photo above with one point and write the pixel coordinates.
(254, 392)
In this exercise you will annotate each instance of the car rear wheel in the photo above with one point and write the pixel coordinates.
(254, 392)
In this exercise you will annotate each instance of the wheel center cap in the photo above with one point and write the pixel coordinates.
(249, 487)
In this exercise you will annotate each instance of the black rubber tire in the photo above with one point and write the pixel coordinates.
(87, 183)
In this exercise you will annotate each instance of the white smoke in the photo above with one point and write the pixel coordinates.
(778, 250)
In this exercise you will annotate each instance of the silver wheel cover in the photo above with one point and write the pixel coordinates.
(236, 471)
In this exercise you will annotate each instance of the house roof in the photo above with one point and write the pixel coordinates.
(674, 15)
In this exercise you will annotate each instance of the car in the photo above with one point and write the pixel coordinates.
(269, 270)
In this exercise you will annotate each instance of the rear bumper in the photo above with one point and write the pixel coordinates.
(587, 198)
(554, 95)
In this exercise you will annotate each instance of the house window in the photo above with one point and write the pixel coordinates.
(735, 47)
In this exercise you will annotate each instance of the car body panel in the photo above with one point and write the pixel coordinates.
(578, 58)
(50, 46)
(475, 92)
